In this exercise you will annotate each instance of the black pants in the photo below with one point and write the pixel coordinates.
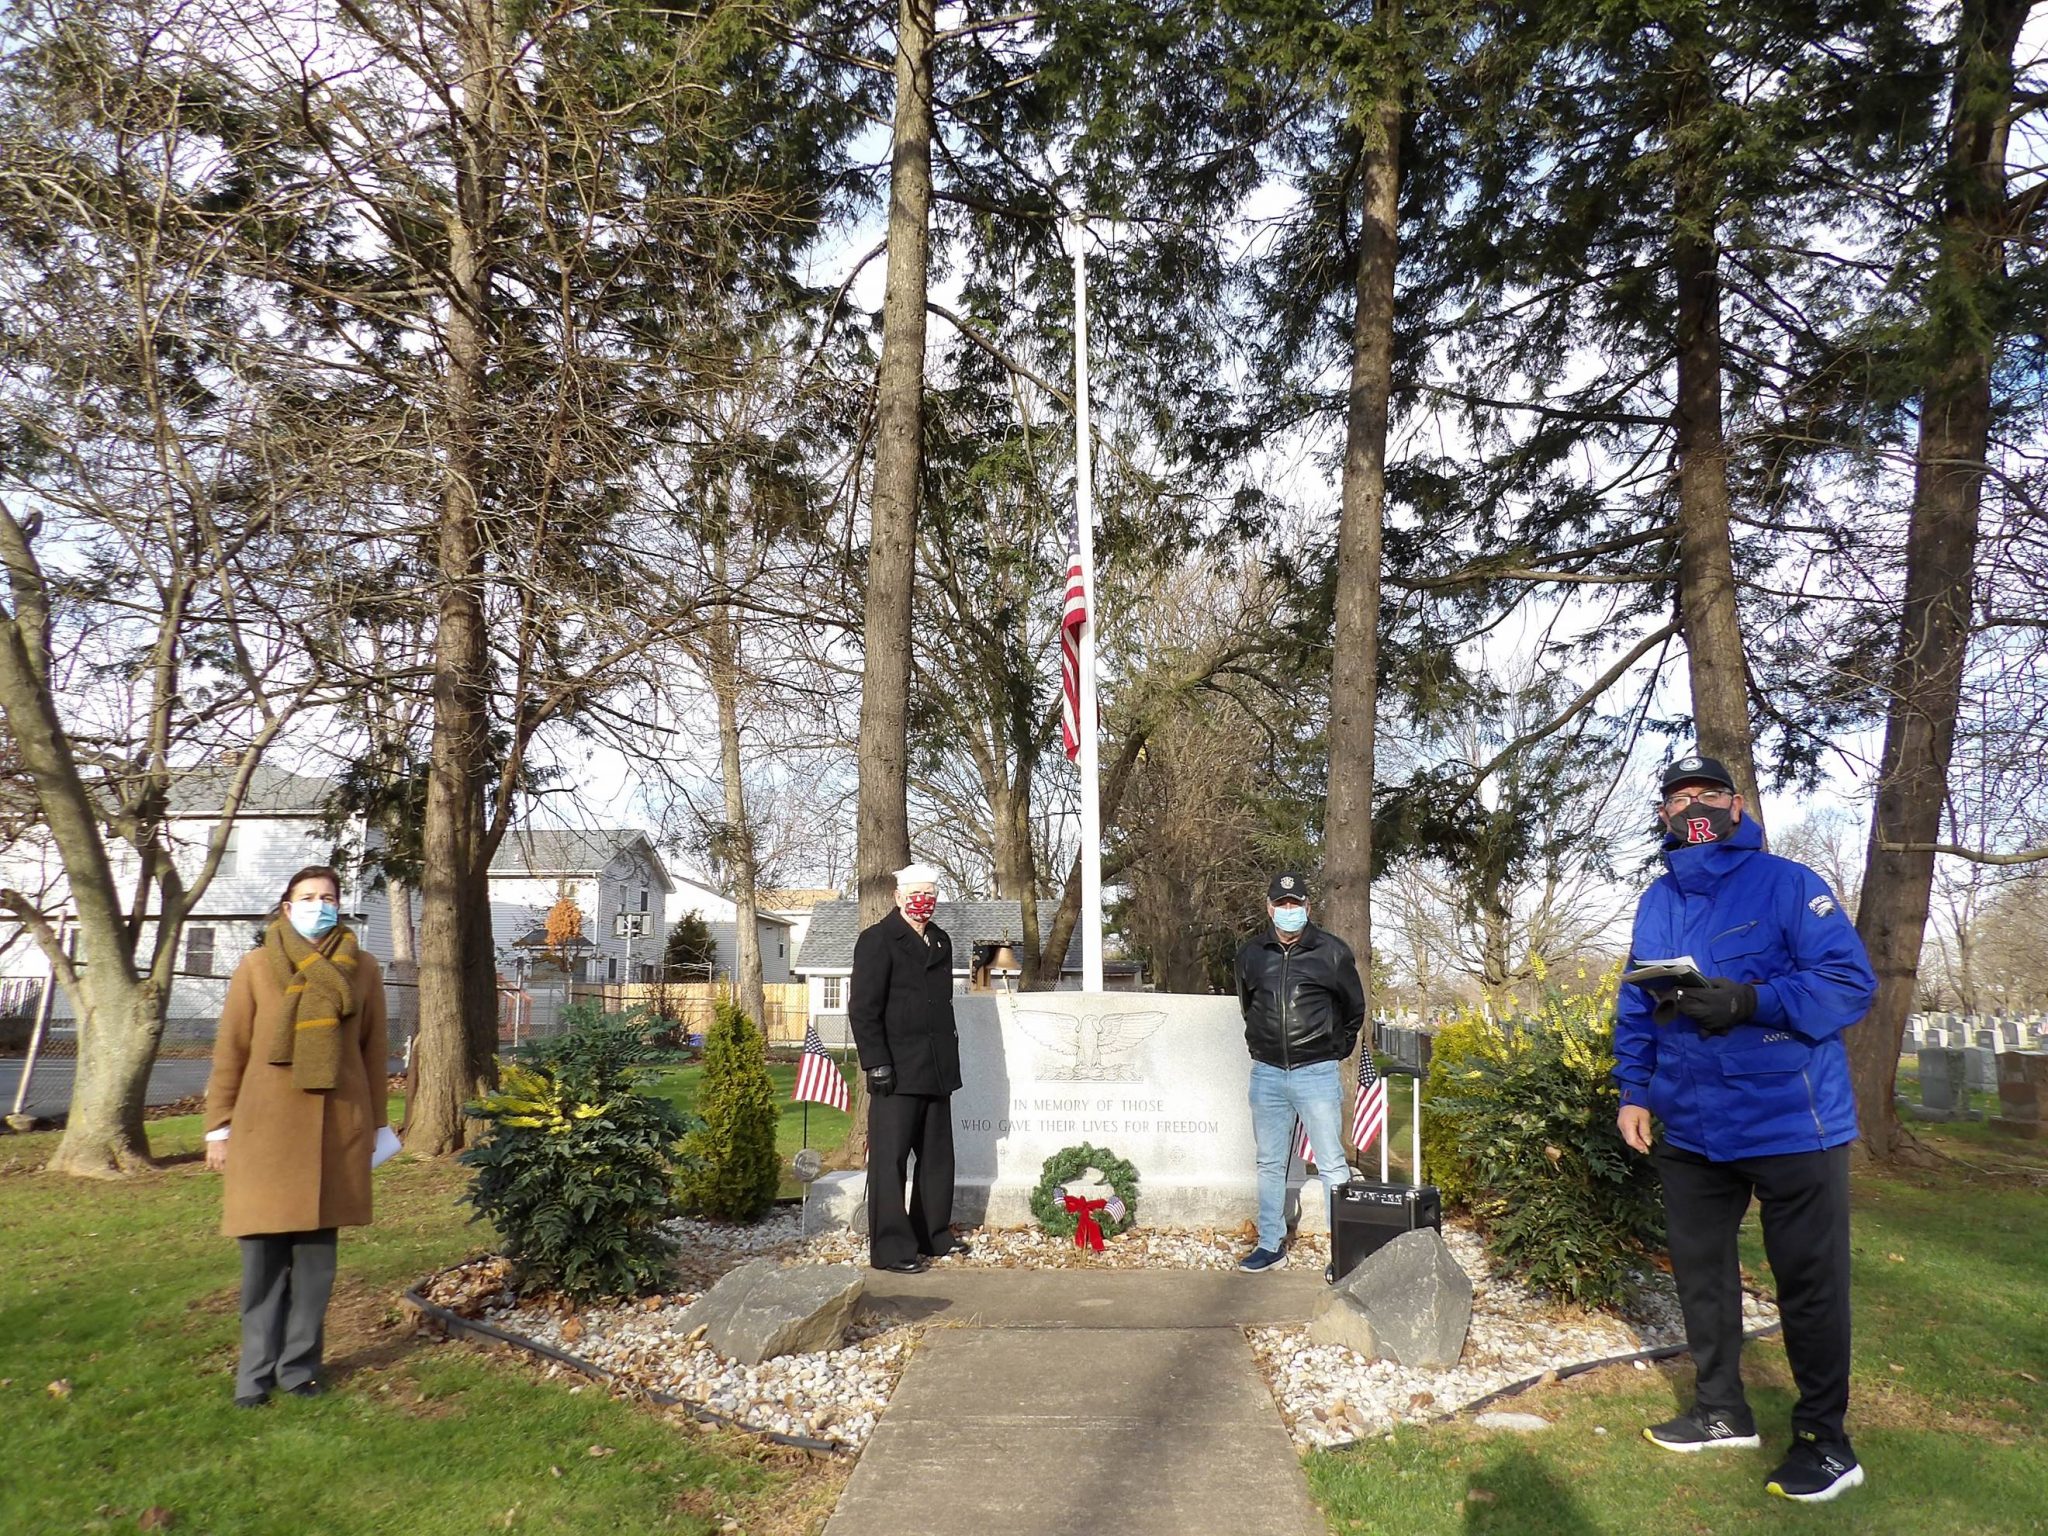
(898, 1125)
(286, 1280)
(1804, 1201)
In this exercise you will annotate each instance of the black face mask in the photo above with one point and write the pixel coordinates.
(1700, 823)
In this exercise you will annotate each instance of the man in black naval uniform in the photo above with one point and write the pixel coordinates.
(900, 1008)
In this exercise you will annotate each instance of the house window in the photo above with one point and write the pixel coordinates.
(611, 968)
(230, 865)
(199, 951)
(778, 949)
(643, 901)
(832, 993)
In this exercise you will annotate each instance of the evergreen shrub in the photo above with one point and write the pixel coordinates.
(1527, 1109)
(577, 1170)
(732, 1168)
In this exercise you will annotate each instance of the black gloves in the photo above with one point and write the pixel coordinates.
(1716, 1008)
(881, 1081)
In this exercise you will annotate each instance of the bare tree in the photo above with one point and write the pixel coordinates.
(155, 615)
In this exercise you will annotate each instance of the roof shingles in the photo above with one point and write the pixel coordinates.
(828, 945)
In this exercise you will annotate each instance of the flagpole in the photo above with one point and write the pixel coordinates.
(1089, 723)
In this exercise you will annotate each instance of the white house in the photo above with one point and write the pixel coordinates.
(978, 930)
(282, 826)
(619, 885)
(721, 916)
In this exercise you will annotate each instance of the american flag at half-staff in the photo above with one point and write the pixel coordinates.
(818, 1078)
(1073, 615)
(1369, 1115)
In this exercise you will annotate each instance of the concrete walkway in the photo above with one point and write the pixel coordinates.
(1058, 1402)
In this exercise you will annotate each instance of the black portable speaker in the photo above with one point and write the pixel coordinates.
(1366, 1215)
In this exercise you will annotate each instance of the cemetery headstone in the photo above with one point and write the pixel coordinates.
(2022, 1093)
(1941, 1084)
(1980, 1069)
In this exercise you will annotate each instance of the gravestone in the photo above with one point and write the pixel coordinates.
(1941, 1084)
(1159, 1079)
(1980, 1069)
(2022, 1093)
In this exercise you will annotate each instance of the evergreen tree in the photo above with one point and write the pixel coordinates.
(731, 1167)
(692, 952)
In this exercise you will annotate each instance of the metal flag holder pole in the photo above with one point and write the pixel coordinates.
(1088, 725)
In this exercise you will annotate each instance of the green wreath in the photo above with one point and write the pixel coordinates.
(1069, 1164)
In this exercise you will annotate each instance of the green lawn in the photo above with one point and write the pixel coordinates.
(827, 1125)
(1948, 1407)
(127, 1292)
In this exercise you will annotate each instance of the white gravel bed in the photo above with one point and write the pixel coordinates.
(833, 1395)
(1330, 1395)
(1032, 1248)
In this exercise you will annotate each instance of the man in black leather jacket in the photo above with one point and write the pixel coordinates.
(1304, 1005)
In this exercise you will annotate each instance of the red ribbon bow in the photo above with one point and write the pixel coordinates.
(1086, 1233)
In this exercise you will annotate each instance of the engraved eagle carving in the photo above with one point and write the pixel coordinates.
(1089, 1048)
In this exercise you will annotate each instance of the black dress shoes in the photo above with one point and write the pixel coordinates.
(901, 1266)
(954, 1246)
(254, 1400)
(307, 1389)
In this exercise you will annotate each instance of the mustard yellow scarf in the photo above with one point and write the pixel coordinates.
(319, 992)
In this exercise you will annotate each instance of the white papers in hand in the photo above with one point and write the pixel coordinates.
(382, 1148)
(1683, 971)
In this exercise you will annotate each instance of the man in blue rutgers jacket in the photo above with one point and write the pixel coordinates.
(1749, 1078)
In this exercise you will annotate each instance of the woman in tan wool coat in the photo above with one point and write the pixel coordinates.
(293, 1110)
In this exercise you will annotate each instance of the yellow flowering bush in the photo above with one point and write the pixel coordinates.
(1523, 1135)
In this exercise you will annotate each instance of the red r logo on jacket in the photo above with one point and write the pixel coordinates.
(1698, 829)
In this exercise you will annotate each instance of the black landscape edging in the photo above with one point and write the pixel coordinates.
(455, 1322)
(1555, 1373)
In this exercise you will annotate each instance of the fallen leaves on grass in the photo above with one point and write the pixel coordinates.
(156, 1518)
(60, 1388)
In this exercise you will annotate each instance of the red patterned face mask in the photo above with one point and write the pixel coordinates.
(920, 905)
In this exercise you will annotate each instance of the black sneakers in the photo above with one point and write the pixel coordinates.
(1701, 1431)
(1813, 1473)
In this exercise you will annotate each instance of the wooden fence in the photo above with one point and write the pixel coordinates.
(526, 1013)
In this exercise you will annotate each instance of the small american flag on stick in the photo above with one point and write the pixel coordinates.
(818, 1078)
(1369, 1115)
(1072, 617)
(1302, 1149)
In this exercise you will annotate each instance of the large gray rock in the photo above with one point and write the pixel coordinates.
(761, 1309)
(1339, 1320)
(836, 1200)
(1416, 1298)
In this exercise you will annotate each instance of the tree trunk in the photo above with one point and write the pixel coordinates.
(120, 1016)
(1016, 863)
(119, 1028)
(884, 757)
(404, 943)
(883, 819)
(737, 840)
(456, 1048)
(1716, 659)
(1354, 662)
(1941, 545)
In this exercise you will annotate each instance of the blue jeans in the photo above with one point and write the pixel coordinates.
(1314, 1095)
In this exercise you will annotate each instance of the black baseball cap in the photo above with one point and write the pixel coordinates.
(1288, 885)
(1696, 770)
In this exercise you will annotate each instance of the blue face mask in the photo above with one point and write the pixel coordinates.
(314, 919)
(1290, 919)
